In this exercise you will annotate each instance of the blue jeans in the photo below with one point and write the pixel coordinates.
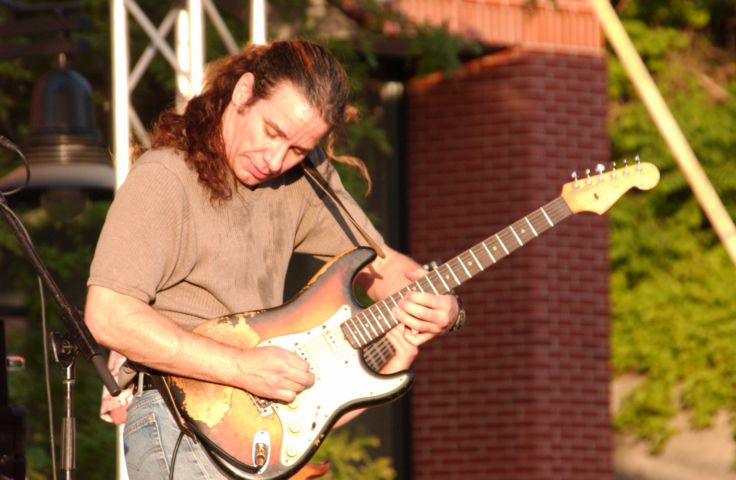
(150, 437)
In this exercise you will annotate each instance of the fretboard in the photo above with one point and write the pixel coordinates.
(373, 322)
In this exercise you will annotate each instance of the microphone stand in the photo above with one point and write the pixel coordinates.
(66, 347)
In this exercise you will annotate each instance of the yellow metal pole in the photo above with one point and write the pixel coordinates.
(668, 127)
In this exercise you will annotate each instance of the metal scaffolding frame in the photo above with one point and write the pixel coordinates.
(186, 58)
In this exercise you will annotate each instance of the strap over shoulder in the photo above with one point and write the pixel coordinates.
(312, 173)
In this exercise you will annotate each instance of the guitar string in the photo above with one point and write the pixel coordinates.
(557, 208)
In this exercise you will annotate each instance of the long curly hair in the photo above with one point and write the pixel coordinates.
(311, 68)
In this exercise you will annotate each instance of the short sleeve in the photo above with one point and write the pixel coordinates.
(144, 243)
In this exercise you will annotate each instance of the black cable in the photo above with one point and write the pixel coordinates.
(11, 146)
(174, 453)
(44, 332)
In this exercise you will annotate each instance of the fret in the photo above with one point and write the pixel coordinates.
(457, 280)
(509, 241)
(470, 261)
(547, 217)
(418, 286)
(375, 332)
(521, 244)
(559, 209)
(540, 221)
(531, 227)
(476, 258)
(375, 320)
(489, 252)
(443, 281)
(502, 244)
(467, 272)
(389, 325)
(362, 338)
(363, 322)
(355, 342)
(523, 233)
(431, 284)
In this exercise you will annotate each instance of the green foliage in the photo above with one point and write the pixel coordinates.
(674, 315)
(437, 50)
(350, 457)
(66, 249)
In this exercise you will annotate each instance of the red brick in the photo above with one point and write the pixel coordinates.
(522, 391)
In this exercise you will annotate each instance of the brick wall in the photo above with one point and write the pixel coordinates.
(522, 391)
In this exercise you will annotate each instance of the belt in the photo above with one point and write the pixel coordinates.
(145, 384)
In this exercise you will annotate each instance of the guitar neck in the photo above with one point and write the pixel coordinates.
(374, 321)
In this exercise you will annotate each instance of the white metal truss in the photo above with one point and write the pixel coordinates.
(186, 58)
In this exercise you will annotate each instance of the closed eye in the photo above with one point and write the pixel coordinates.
(299, 151)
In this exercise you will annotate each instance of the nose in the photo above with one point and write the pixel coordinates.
(274, 157)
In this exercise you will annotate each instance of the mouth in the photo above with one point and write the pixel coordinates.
(256, 172)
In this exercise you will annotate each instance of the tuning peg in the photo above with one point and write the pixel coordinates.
(638, 162)
(574, 175)
(613, 170)
(600, 168)
(588, 181)
(626, 166)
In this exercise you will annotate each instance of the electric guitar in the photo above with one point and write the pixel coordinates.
(258, 438)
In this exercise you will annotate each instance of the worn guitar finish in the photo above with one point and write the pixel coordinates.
(327, 327)
(284, 437)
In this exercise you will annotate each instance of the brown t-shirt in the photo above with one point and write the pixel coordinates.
(165, 243)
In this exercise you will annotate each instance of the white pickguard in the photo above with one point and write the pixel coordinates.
(341, 379)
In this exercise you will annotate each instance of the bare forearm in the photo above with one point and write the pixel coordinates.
(147, 337)
(141, 334)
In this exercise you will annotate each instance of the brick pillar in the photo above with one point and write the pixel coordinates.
(522, 391)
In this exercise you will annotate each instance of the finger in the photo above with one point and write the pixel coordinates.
(430, 300)
(300, 378)
(296, 362)
(419, 327)
(420, 318)
(396, 337)
(284, 395)
(291, 385)
(416, 274)
(416, 339)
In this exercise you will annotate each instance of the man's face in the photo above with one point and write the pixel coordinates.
(270, 136)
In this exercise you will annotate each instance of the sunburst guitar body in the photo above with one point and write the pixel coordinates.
(280, 438)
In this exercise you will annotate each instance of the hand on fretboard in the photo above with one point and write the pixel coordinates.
(378, 353)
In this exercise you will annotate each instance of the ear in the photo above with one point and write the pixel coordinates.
(243, 90)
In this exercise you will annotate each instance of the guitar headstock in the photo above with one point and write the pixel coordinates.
(598, 191)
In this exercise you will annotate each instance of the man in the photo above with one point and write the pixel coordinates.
(205, 225)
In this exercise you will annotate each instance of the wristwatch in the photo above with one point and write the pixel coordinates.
(460, 319)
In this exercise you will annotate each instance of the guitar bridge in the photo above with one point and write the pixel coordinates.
(265, 407)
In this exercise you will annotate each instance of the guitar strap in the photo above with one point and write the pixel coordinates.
(311, 171)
